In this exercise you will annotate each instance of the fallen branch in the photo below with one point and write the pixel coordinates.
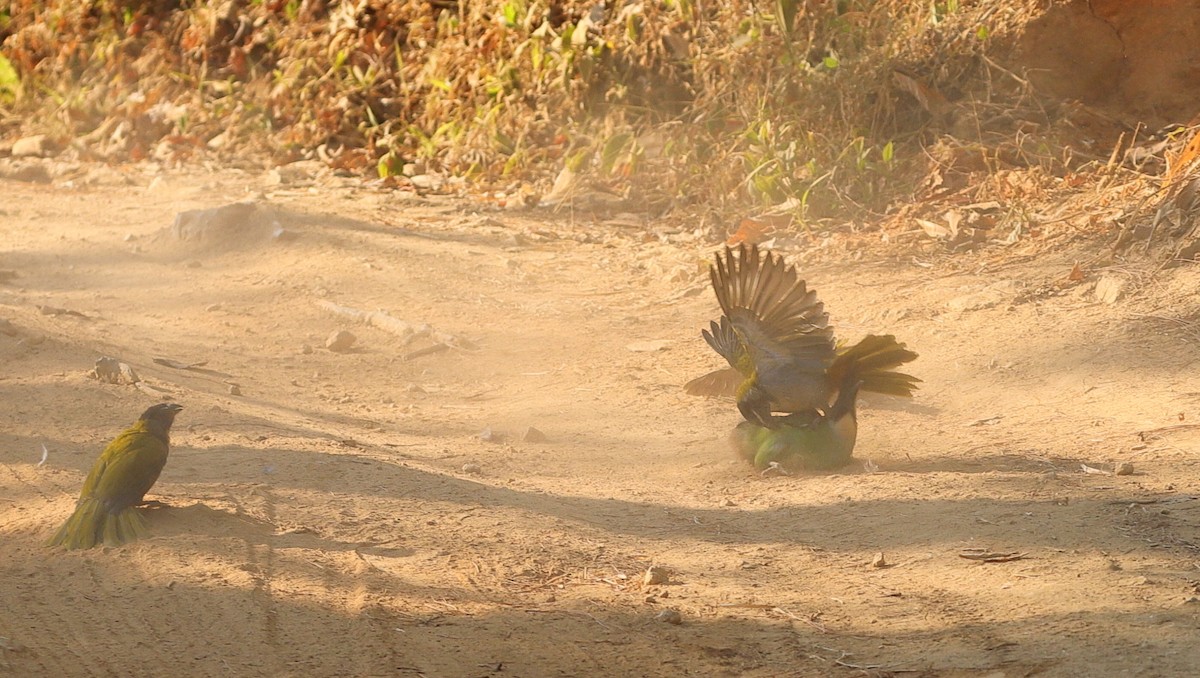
(407, 331)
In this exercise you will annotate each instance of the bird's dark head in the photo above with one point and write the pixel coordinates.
(162, 414)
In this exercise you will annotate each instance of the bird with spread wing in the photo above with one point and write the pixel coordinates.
(794, 384)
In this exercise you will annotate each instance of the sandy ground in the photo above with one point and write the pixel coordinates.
(344, 517)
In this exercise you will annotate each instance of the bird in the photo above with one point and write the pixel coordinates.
(775, 334)
(118, 482)
(803, 443)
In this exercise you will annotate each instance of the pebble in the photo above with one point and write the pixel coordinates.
(472, 469)
(656, 574)
(37, 146)
(670, 617)
(487, 435)
(879, 560)
(235, 390)
(6, 327)
(306, 349)
(533, 435)
(1124, 468)
(340, 340)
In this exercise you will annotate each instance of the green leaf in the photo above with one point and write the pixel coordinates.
(830, 62)
(786, 10)
(889, 152)
(10, 82)
(982, 33)
(613, 148)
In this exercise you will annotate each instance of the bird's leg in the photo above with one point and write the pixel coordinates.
(756, 408)
(151, 503)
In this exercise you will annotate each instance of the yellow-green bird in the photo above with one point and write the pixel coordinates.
(776, 336)
(803, 442)
(126, 470)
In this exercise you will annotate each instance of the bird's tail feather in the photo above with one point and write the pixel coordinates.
(92, 524)
(872, 361)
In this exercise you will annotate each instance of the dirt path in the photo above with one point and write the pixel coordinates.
(343, 516)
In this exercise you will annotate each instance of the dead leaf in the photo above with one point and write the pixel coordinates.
(1181, 163)
(928, 96)
(933, 229)
(54, 310)
(564, 186)
(953, 219)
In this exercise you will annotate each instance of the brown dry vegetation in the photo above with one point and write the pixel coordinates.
(833, 116)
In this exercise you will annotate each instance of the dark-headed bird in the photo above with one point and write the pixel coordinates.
(126, 470)
(783, 358)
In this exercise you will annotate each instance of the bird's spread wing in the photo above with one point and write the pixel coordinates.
(721, 383)
(724, 340)
(774, 315)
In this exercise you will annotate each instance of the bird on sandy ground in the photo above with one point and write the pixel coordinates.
(803, 443)
(775, 334)
(106, 512)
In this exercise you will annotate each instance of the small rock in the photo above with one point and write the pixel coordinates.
(879, 560)
(669, 616)
(487, 435)
(1124, 468)
(34, 340)
(212, 307)
(728, 502)
(533, 435)
(340, 340)
(472, 469)
(31, 171)
(426, 181)
(306, 349)
(235, 390)
(113, 371)
(1109, 289)
(6, 327)
(656, 574)
(36, 146)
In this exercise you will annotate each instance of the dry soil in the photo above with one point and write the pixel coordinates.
(344, 516)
